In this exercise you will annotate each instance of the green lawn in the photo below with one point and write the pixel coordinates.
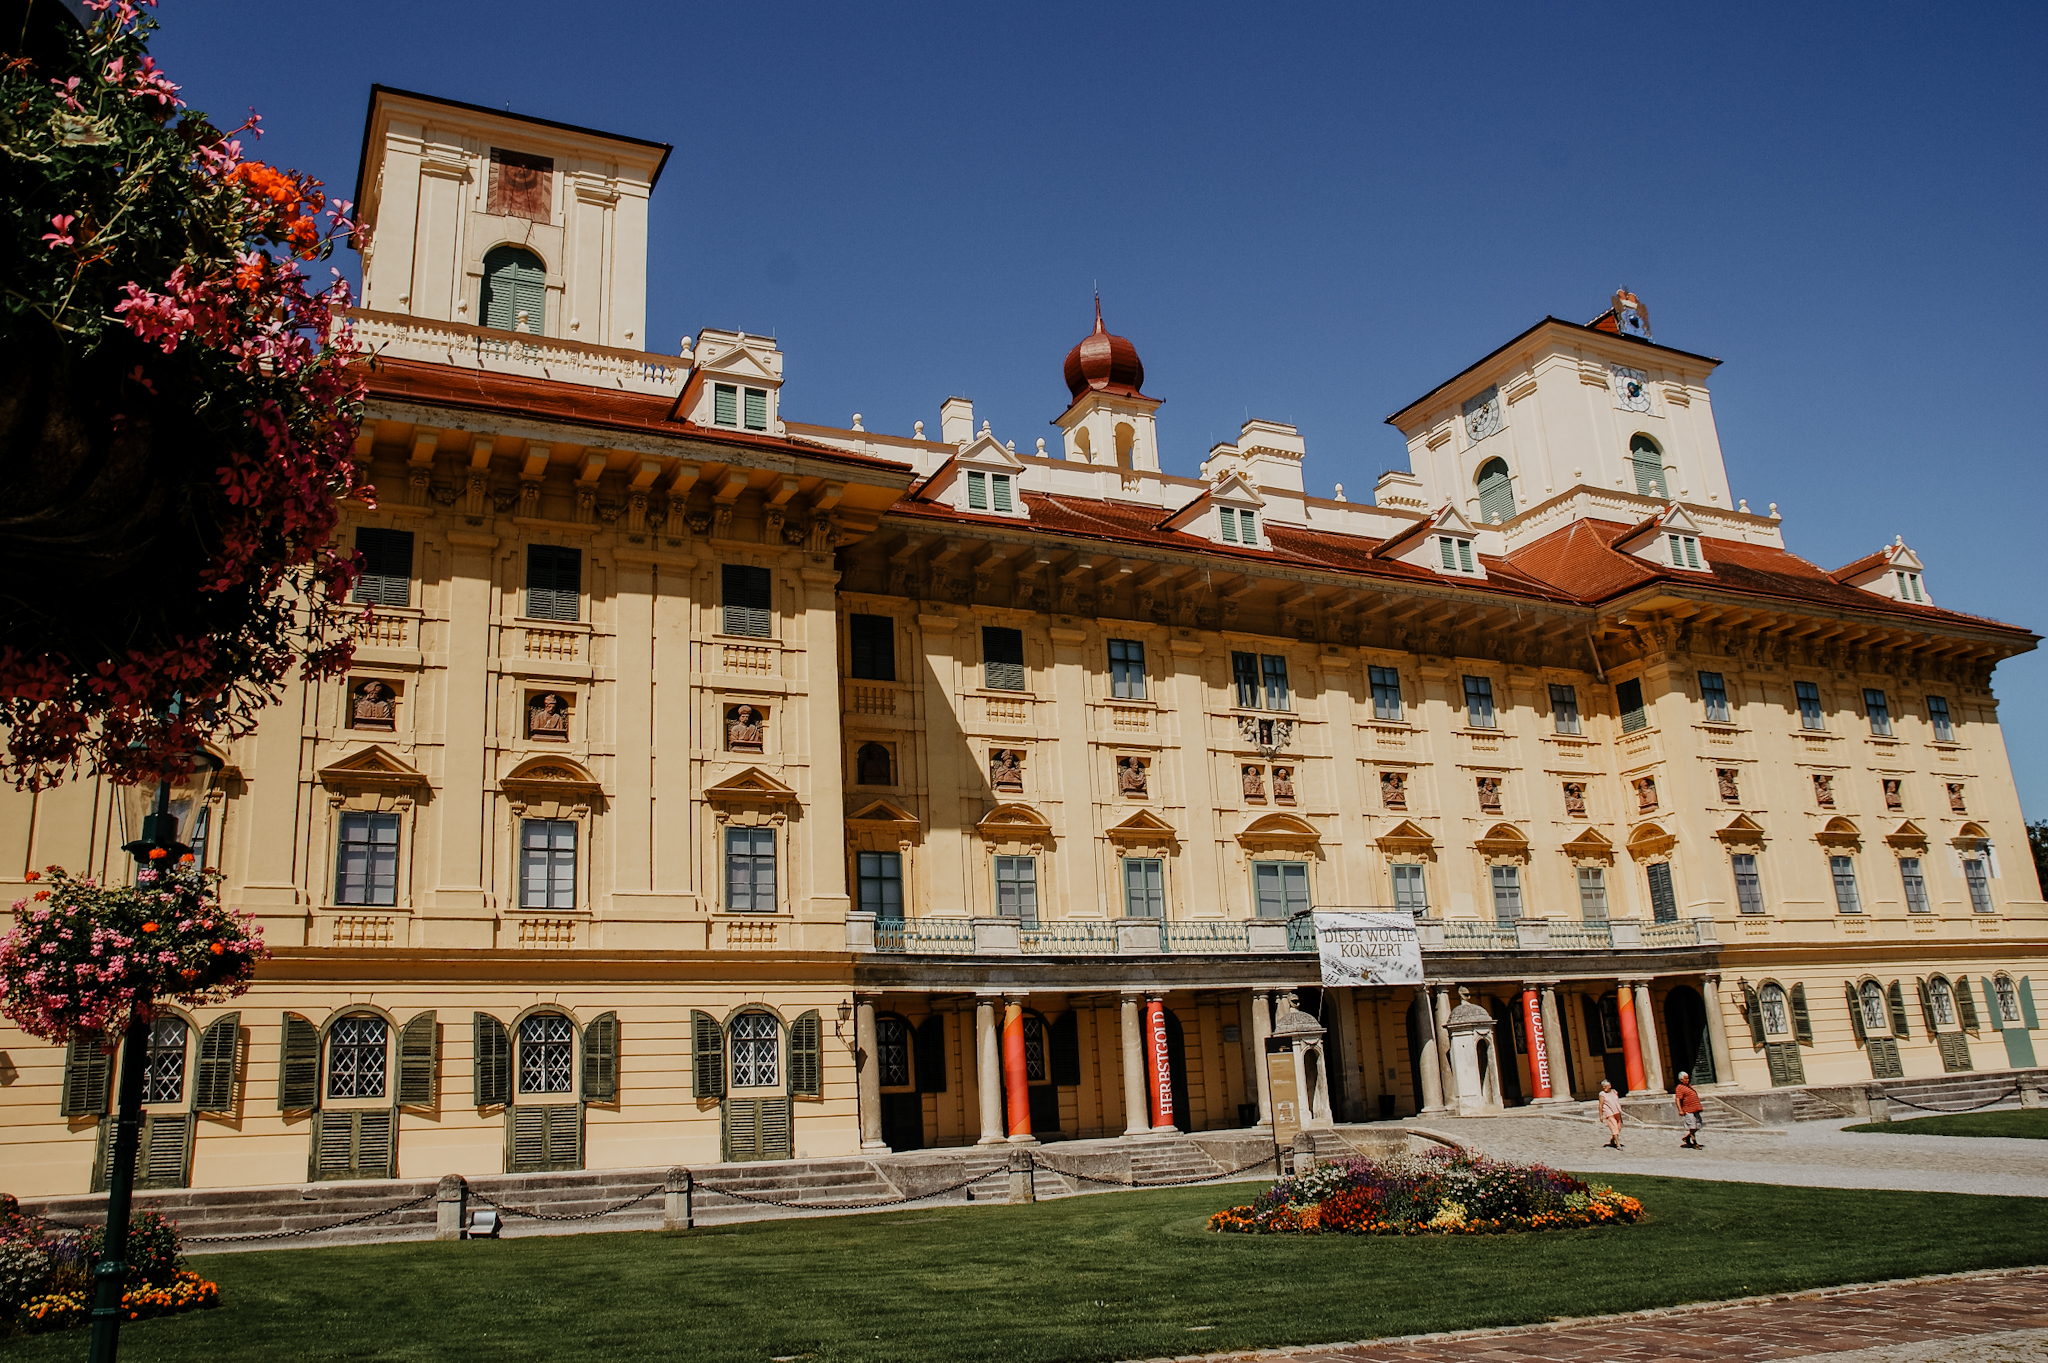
(2026, 1124)
(1130, 1275)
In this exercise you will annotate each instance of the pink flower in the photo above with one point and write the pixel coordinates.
(62, 236)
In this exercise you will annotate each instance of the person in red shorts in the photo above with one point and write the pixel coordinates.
(1690, 1112)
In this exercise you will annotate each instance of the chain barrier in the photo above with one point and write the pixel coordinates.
(308, 1230)
(844, 1206)
(1040, 1161)
(490, 1201)
(1952, 1111)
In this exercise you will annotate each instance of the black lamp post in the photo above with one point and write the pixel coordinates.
(159, 832)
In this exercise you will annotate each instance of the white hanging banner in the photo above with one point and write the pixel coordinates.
(1368, 948)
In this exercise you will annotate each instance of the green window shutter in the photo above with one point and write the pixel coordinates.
(565, 1135)
(748, 599)
(298, 1065)
(419, 1077)
(1896, 997)
(528, 1128)
(806, 1078)
(1991, 1009)
(1248, 524)
(1228, 519)
(774, 1128)
(1064, 1049)
(492, 1067)
(977, 490)
(601, 1059)
(1465, 557)
(1444, 545)
(742, 1129)
(756, 403)
(1926, 1005)
(1496, 492)
(707, 1049)
(1692, 553)
(213, 1080)
(1000, 485)
(376, 1153)
(1855, 1011)
(930, 1055)
(1966, 1004)
(2027, 1013)
(87, 1069)
(1754, 1011)
(515, 281)
(1802, 1020)
(725, 404)
(166, 1152)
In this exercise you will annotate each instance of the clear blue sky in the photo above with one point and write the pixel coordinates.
(1315, 214)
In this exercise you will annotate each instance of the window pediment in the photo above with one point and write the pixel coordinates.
(1406, 838)
(1741, 831)
(1503, 840)
(371, 768)
(882, 812)
(1650, 840)
(1839, 833)
(552, 781)
(750, 786)
(1278, 831)
(1908, 836)
(1142, 831)
(1588, 847)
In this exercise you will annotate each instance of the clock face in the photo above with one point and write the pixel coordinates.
(1631, 388)
(1482, 415)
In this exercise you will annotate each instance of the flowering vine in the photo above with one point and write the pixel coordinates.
(178, 408)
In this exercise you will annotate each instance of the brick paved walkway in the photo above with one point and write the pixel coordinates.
(1831, 1321)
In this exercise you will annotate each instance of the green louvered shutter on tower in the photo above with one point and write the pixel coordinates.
(1802, 1020)
(514, 282)
(1896, 997)
(1753, 1010)
(213, 1081)
(298, 1065)
(806, 1077)
(707, 1056)
(601, 1059)
(2027, 1013)
(1855, 1011)
(491, 1046)
(87, 1070)
(419, 1069)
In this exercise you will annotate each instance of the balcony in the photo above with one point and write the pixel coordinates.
(1565, 934)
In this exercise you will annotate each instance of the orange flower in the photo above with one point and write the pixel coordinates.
(185, 860)
(218, 948)
(157, 854)
(32, 875)
(149, 927)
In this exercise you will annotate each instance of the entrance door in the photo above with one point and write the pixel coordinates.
(1685, 1025)
(1603, 1038)
(903, 1121)
(1511, 1041)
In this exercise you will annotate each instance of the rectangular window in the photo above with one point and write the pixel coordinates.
(1916, 885)
(999, 484)
(1002, 658)
(1409, 890)
(1244, 673)
(1844, 871)
(1144, 887)
(1280, 888)
(1017, 889)
(547, 864)
(1714, 698)
(1507, 893)
(881, 884)
(1749, 890)
(1479, 702)
(749, 601)
(1880, 713)
(1628, 698)
(1564, 708)
(1909, 588)
(1126, 669)
(757, 409)
(1809, 705)
(387, 567)
(366, 869)
(1457, 555)
(1386, 692)
(750, 870)
(871, 641)
(1663, 898)
(725, 404)
(1592, 894)
(977, 490)
(554, 582)
(1974, 875)
(1685, 551)
(1275, 672)
(1937, 715)
(1248, 527)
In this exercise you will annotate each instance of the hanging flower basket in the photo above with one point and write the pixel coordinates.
(82, 957)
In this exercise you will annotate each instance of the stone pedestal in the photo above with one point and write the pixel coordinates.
(1475, 1066)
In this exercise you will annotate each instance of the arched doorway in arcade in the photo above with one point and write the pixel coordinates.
(1513, 1045)
(1685, 1029)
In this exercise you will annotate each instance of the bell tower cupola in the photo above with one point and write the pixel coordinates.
(1108, 422)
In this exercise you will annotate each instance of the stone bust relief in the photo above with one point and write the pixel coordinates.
(375, 707)
(547, 718)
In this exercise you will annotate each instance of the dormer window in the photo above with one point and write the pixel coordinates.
(1685, 551)
(1457, 554)
(988, 489)
(730, 402)
(1239, 527)
(1909, 588)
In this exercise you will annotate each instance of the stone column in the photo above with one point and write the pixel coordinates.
(1262, 1032)
(1016, 1084)
(1159, 1067)
(1631, 1045)
(1429, 1063)
(1646, 1037)
(1137, 1108)
(1553, 1040)
(1447, 1079)
(988, 1071)
(870, 1071)
(1717, 1029)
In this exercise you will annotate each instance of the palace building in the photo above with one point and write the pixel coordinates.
(713, 786)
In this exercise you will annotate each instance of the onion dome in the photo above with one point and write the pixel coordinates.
(1106, 363)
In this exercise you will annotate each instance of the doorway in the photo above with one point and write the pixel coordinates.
(1685, 1024)
(1603, 1038)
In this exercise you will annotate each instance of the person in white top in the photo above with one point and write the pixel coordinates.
(1610, 1113)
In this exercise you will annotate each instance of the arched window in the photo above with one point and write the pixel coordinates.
(163, 1079)
(356, 1056)
(756, 1055)
(1496, 491)
(1941, 1001)
(1777, 1020)
(1875, 1020)
(547, 1054)
(871, 765)
(2008, 999)
(1648, 460)
(515, 291)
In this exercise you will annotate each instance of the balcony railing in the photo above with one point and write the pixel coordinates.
(1068, 939)
(1194, 938)
(925, 934)
(1470, 935)
(1569, 936)
(1260, 936)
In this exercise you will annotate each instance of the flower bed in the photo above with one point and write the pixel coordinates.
(1444, 1192)
(46, 1276)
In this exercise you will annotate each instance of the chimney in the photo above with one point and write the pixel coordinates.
(956, 421)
